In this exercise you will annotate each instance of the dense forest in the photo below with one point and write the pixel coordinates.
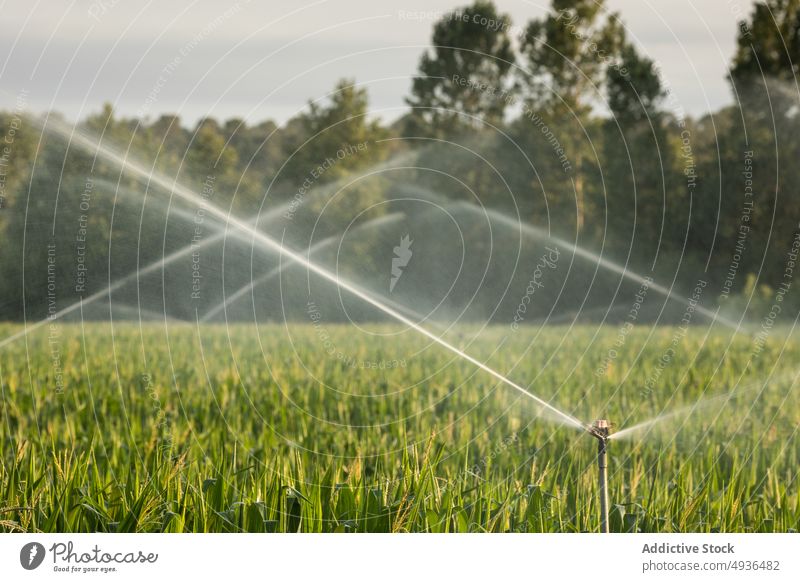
(559, 123)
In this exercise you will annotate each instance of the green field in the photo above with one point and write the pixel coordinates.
(176, 429)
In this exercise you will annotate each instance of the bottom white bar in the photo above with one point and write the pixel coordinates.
(402, 557)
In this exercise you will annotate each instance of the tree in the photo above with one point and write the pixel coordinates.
(331, 132)
(465, 74)
(633, 86)
(259, 150)
(212, 165)
(644, 199)
(769, 45)
(167, 141)
(334, 140)
(764, 76)
(565, 56)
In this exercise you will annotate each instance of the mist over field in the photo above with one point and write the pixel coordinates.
(556, 127)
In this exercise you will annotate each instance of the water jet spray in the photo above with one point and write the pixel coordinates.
(272, 245)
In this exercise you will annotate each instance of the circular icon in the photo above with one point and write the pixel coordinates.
(31, 555)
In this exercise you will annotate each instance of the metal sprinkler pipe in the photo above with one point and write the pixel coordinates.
(600, 430)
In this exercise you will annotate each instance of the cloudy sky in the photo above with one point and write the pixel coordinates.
(261, 60)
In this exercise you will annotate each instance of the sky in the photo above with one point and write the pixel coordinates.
(266, 60)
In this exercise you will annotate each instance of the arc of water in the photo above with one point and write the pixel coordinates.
(180, 213)
(143, 272)
(268, 243)
(613, 267)
(115, 286)
(315, 248)
(266, 218)
(700, 405)
(135, 312)
(579, 251)
(603, 262)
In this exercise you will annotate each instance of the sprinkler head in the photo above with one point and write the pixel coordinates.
(600, 429)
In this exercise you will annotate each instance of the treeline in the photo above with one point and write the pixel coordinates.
(560, 121)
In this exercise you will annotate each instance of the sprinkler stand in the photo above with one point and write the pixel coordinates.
(600, 430)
